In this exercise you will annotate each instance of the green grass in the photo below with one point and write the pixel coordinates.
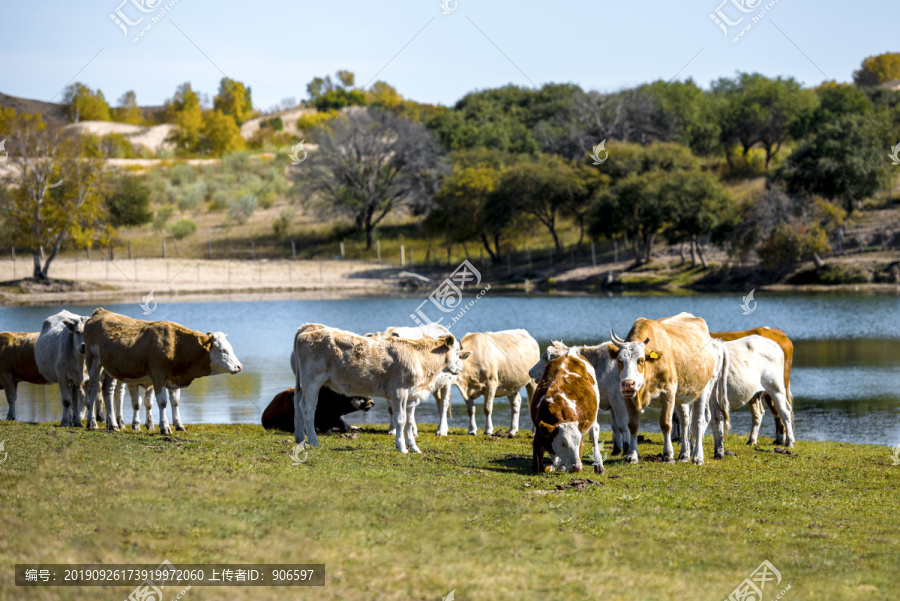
(468, 515)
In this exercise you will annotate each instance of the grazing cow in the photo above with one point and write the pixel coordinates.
(395, 368)
(498, 366)
(332, 408)
(137, 399)
(564, 408)
(673, 361)
(59, 354)
(161, 354)
(756, 408)
(755, 366)
(17, 364)
(608, 384)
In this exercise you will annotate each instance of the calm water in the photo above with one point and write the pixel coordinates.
(845, 381)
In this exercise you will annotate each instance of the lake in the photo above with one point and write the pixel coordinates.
(845, 379)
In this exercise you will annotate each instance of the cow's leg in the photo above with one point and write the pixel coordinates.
(392, 431)
(162, 400)
(135, 405)
(65, 397)
(634, 424)
(665, 426)
(596, 457)
(515, 404)
(489, 408)
(684, 420)
(8, 384)
(699, 427)
(718, 429)
(619, 422)
(779, 423)
(120, 405)
(175, 395)
(411, 417)
(470, 408)
(784, 409)
(410, 426)
(310, 402)
(442, 396)
(398, 402)
(95, 373)
(109, 394)
(299, 431)
(757, 411)
(148, 407)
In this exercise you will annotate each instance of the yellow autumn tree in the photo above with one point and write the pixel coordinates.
(219, 134)
(234, 100)
(184, 112)
(128, 110)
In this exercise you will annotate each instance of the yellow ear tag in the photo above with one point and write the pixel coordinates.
(653, 355)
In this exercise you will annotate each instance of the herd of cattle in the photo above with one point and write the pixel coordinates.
(672, 363)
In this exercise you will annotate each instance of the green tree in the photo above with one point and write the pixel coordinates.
(878, 69)
(128, 201)
(183, 110)
(234, 100)
(698, 204)
(219, 134)
(367, 164)
(843, 161)
(326, 95)
(83, 104)
(128, 110)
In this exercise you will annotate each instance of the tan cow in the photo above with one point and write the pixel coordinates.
(564, 409)
(671, 360)
(394, 368)
(165, 355)
(17, 364)
(498, 366)
(756, 408)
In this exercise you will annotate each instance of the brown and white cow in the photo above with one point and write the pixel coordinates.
(498, 365)
(673, 361)
(756, 408)
(161, 354)
(394, 368)
(279, 414)
(17, 364)
(564, 409)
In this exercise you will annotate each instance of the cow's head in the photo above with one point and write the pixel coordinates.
(633, 359)
(76, 326)
(362, 403)
(221, 355)
(555, 350)
(455, 355)
(563, 440)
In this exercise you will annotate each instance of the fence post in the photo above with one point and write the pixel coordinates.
(294, 250)
(163, 242)
(342, 251)
(593, 254)
(89, 252)
(378, 250)
(112, 253)
(402, 255)
(252, 250)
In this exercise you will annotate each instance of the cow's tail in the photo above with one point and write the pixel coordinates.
(722, 392)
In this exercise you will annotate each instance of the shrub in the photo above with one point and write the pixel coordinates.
(129, 203)
(274, 122)
(162, 217)
(183, 229)
(181, 174)
(219, 200)
(281, 225)
(313, 120)
(242, 209)
(832, 274)
(190, 197)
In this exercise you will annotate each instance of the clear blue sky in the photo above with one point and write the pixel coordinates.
(278, 46)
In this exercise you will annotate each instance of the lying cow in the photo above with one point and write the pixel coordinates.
(395, 368)
(756, 410)
(59, 354)
(17, 364)
(333, 406)
(563, 409)
(755, 366)
(673, 361)
(161, 354)
(498, 366)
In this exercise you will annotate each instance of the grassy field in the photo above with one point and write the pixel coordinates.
(467, 516)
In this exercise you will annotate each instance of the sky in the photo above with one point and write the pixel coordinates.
(277, 47)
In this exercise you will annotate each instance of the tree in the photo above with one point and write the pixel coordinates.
(326, 95)
(698, 204)
(879, 69)
(183, 110)
(367, 164)
(128, 201)
(234, 100)
(129, 111)
(57, 194)
(842, 161)
(219, 134)
(7, 119)
(83, 104)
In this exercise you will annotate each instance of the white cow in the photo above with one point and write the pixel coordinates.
(59, 353)
(755, 365)
(137, 399)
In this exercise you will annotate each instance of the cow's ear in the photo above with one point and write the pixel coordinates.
(71, 323)
(449, 340)
(465, 354)
(613, 351)
(653, 355)
(545, 429)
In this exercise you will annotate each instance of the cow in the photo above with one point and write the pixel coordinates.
(17, 364)
(497, 366)
(756, 408)
(563, 409)
(59, 354)
(673, 361)
(755, 366)
(137, 399)
(395, 368)
(279, 414)
(163, 355)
